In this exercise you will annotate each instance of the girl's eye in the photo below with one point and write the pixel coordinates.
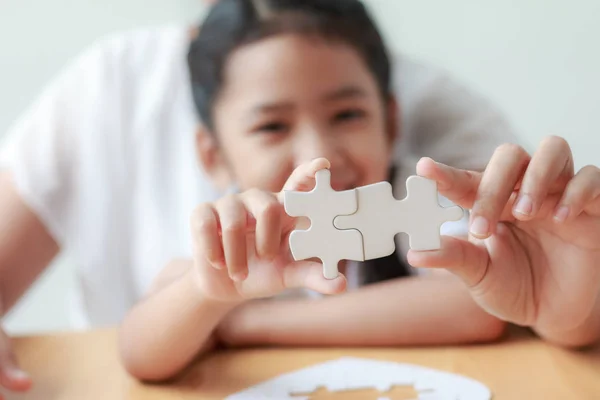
(349, 115)
(272, 127)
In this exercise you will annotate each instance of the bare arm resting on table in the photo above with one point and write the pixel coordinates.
(402, 312)
(26, 248)
(234, 261)
(164, 332)
(172, 326)
(412, 311)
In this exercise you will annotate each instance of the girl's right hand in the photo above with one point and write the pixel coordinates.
(241, 248)
(12, 377)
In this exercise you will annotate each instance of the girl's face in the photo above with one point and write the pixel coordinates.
(288, 99)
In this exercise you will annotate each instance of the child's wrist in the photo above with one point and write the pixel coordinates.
(240, 325)
(202, 295)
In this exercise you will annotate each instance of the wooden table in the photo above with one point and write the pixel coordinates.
(85, 366)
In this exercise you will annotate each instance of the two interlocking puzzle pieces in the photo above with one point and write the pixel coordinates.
(360, 224)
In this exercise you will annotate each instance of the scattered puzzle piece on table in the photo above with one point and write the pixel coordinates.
(361, 224)
(366, 393)
(380, 217)
(349, 373)
(322, 240)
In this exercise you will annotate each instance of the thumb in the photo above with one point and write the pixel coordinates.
(302, 178)
(11, 376)
(458, 185)
(309, 275)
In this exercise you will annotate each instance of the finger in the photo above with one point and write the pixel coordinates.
(205, 234)
(582, 194)
(549, 170)
(233, 218)
(457, 185)
(309, 274)
(267, 212)
(461, 257)
(496, 188)
(12, 377)
(302, 178)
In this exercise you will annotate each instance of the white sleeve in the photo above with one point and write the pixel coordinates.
(444, 120)
(41, 149)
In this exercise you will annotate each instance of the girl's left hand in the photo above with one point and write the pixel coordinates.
(533, 255)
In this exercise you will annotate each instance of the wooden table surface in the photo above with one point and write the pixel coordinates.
(85, 366)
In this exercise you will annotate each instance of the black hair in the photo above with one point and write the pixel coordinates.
(233, 23)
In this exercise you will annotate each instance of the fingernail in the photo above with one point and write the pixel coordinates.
(18, 374)
(437, 164)
(480, 227)
(239, 276)
(562, 214)
(524, 205)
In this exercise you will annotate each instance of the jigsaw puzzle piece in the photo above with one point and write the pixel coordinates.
(320, 202)
(380, 217)
(422, 198)
(329, 248)
(322, 240)
(373, 220)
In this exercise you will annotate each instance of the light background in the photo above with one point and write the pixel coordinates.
(538, 60)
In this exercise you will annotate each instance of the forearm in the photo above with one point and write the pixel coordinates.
(163, 333)
(26, 246)
(413, 311)
(587, 333)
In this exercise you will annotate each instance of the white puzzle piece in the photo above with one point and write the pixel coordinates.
(322, 240)
(351, 373)
(380, 217)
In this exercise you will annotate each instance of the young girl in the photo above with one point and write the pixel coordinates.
(105, 166)
(284, 89)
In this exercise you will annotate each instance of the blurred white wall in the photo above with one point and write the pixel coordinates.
(537, 59)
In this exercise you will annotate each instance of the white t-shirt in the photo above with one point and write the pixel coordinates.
(106, 158)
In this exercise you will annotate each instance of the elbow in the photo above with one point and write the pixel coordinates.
(137, 360)
(487, 329)
(143, 374)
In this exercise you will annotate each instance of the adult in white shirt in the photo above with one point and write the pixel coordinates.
(105, 166)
